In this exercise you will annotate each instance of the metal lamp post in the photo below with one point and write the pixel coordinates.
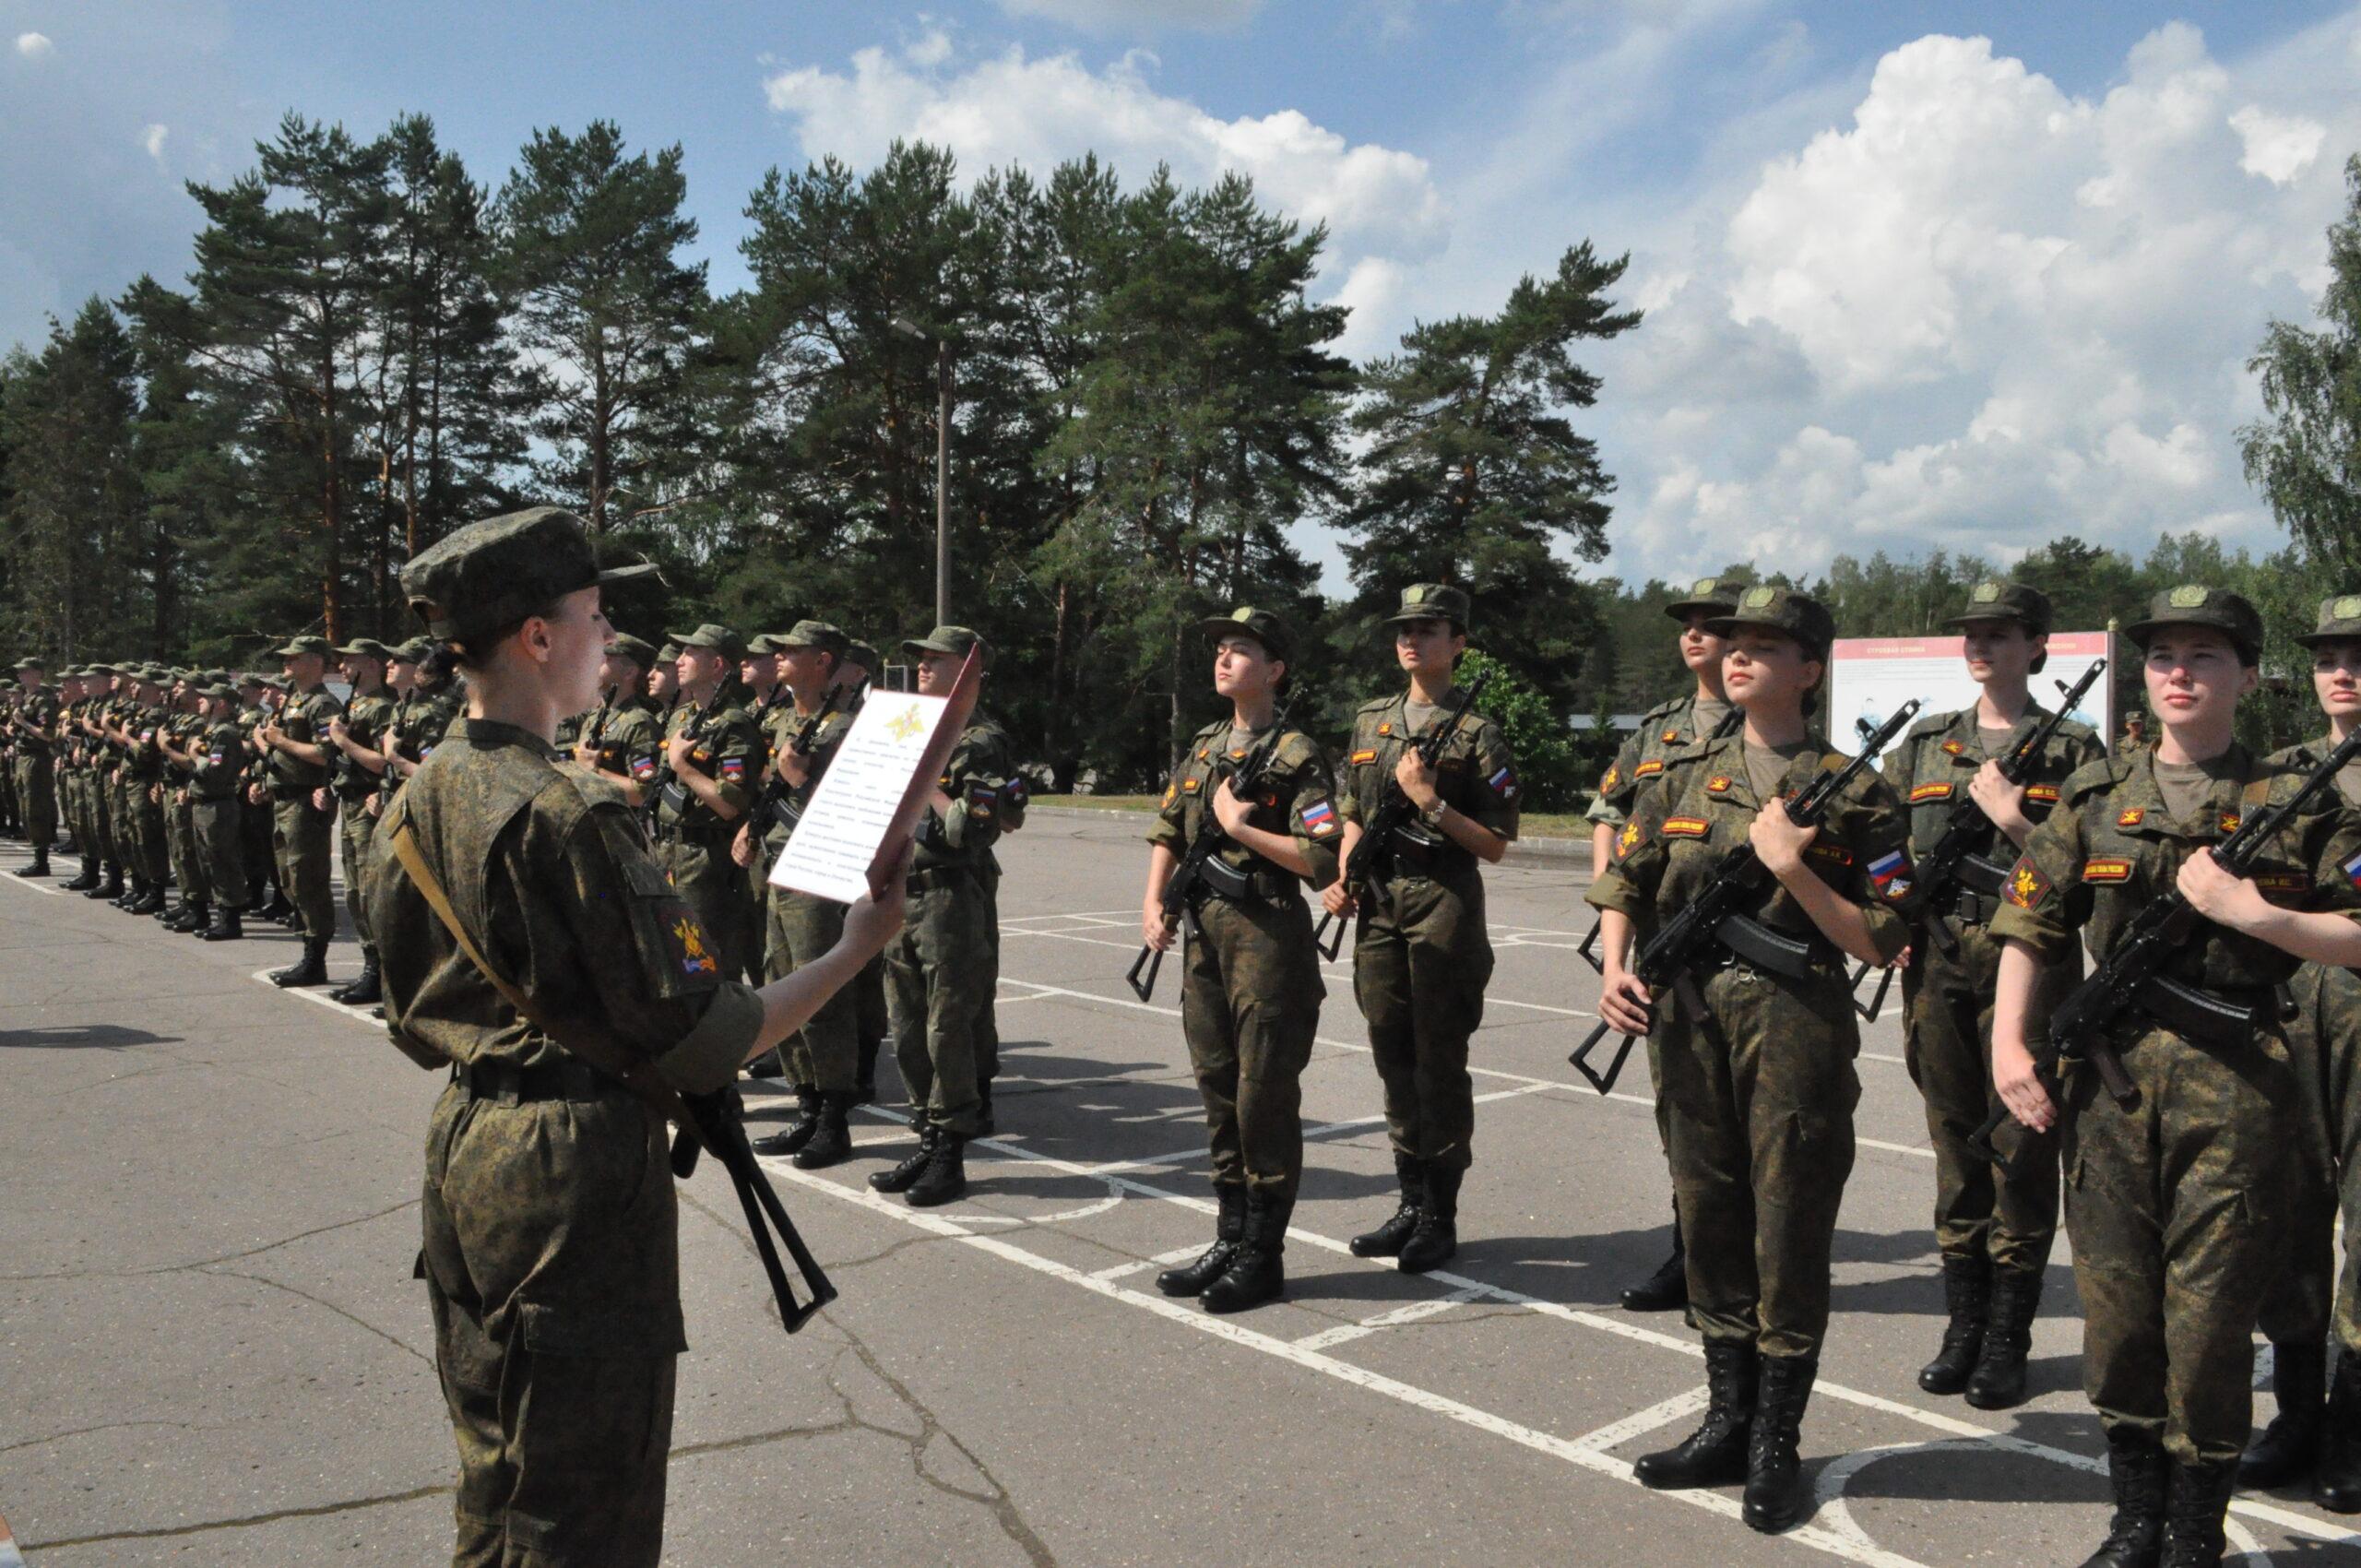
(909, 328)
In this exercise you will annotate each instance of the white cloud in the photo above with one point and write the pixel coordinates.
(33, 45)
(2277, 147)
(1011, 109)
(152, 138)
(1137, 16)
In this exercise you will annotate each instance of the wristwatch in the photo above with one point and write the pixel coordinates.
(1432, 815)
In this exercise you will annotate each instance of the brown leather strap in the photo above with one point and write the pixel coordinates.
(638, 1077)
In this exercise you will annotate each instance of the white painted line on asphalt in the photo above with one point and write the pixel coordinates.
(1615, 1434)
(319, 995)
(1417, 1311)
(1356, 1122)
(1161, 1259)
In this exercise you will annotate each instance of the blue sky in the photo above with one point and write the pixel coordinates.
(1916, 273)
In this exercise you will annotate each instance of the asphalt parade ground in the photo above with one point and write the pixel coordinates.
(211, 1348)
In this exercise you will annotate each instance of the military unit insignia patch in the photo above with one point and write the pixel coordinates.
(1320, 819)
(2106, 871)
(1614, 776)
(1627, 841)
(1891, 873)
(2027, 886)
(695, 956)
(2352, 870)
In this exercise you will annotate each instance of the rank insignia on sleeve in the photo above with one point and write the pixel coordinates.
(1614, 776)
(2027, 886)
(1686, 827)
(2106, 871)
(695, 958)
(1955, 748)
(2130, 816)
(1648, 769)
(1629, 841)
(1320, 819)
(1239, 754)
(2229, 822)
(1930, 793)
(1891, 873)
(1358, 758)
(2042, 794)
(1719, 784)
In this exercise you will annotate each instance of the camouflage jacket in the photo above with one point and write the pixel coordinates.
(1297, 797)
(1476, 774)
(1664, 729)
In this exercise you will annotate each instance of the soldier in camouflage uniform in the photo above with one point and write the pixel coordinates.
(98, 769)
(139, 790)
(2174, 1203)
(940, 971)
(550, 1219)
(870, 1024)
(216, 807)
(621, 740)
(1421, 956)
(803, 732)
(2311, 1437)
(177, 739)
(357, 741)
(1758, 1064)
(1994, 1234)
(1664, 729)
(1250, 991)
(712, 766)
(32, 733)
(295, 742)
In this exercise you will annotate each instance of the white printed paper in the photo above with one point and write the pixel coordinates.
(1871, 677)
(846, 820)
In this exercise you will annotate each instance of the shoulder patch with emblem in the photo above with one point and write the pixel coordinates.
(1627, 841)
(2027, 886)
(1889, 872)
(1171, 793)
(690, 949)
(1319, 819)
(1614, 776)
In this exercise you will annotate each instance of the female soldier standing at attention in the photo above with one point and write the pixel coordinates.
(1759, 1067)
(2173, 1202)
(551, 1259)
(1249, 999)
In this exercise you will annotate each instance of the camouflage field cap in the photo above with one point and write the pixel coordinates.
(30, 661)
(712, 637)
(365, 647)
(217, 694)
(1799, 615)
(668, 653)
(1713, 596)
(2195, 604)
(815, 634)
(956, 641)
(1264, 625)
(633, 648)
(413, 651)
(494, 573)
(2339, 622)
(863, 654)
(297, 646)
(97, 669)
(2029, 607)
(1431, 601)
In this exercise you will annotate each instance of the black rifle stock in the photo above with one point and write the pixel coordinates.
(716, 1122)
(1717, 915)
(1375, 847)
(1243, 780)
(2134, 973)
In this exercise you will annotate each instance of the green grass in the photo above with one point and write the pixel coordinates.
(1533, 824)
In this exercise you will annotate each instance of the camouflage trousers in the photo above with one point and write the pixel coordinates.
(553, 1270)
(825, 1054)
(180, 831)
(217, 828)
(1249, 1005)
(2310, 1296)
(2174, 1206)
(139, 829)
(1947, 1034)
(1762, 1087)
(1419, 970)
(36, 800)
(356, 831)
(939, 976)
(299, 839)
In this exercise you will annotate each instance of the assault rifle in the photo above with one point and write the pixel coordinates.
(1588, 951)
(1374, 850)
(1715, 916)
(2132, 975)
(778, 799)
(1199, 864)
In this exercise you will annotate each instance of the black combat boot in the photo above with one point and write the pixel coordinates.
(1775, 1497)
(944, 1180)
(366, 989)
(1436, 1236)
(1967, 1296)
(2336, 1479)
(1255, 1273)
(225, 925)
(1999, 1381)
(111, 888)
(791, 1138)
(88, 880)
(172, 908)
(900, 1179)
(196, 916)
(2135, 1468)
(150, 899)
(2290, 1445)
(832, 1141)
(310, 970)
(38, 867)
(1714, 1454)
(769, 1064)
(1668, 1287)
(2195, 1502)
(1385, 1242)
(1229, 1224)
(134, 889)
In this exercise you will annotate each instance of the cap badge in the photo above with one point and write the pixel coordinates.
(2348, 607)
(1756, 597)
(1986, 593)
(1244, 612)
(2188, 596)
(1702, 586)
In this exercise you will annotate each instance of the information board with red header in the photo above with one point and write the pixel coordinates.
(1869, 677)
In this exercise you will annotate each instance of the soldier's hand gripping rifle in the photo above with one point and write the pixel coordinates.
(1178, 911)
(1588, 951)
(1716, 916)
(1374, 852)
(2133, 974)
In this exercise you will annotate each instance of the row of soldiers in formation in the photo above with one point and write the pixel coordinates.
(2203, 1207)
